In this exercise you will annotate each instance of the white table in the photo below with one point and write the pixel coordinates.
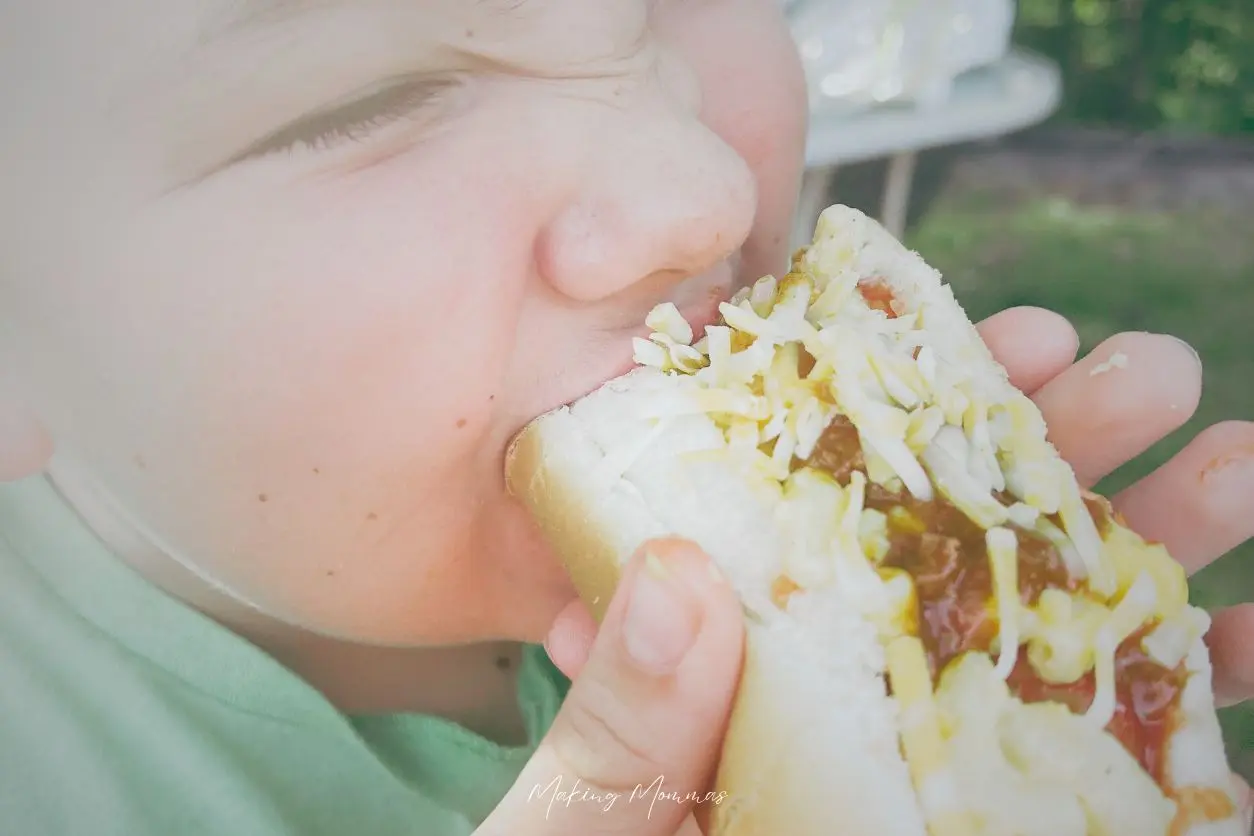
(1020, 90)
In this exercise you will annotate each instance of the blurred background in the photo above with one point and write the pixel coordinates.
(1095, 157)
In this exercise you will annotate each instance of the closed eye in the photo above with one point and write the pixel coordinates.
(357, 120)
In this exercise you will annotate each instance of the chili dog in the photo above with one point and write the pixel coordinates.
(946, 635)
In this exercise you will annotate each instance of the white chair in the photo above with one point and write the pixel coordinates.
(904, 85)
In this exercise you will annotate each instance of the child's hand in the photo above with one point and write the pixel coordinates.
(646, 713)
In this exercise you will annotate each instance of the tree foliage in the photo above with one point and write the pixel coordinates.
(1175, 64)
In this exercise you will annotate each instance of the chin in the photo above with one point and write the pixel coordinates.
(531, 586)
(529, 616)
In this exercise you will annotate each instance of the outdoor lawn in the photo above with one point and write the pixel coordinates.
(1113, 270)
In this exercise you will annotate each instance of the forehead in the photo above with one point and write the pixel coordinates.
(512, 34)
(226, 62)
(139, 32)
(590, 18)
(227, 15)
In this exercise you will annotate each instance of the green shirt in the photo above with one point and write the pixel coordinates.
(124, 712)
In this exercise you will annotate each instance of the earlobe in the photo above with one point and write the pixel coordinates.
(25, 446)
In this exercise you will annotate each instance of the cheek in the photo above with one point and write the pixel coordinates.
(384, 297)
(321, 362)
(310, 413)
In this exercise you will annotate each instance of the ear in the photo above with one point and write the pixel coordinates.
(25, 446)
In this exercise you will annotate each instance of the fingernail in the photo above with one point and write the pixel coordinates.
(661, 624)
(1196, 357)
(716, 574)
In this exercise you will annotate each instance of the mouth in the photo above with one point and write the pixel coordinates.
(699, 300)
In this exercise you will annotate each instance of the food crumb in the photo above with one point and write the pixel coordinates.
(1217, 465)
(1118, 360)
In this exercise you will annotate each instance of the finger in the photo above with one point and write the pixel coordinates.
(1198, 504)
(1241, 792)
(690, 827)
(1035, 345)
(1242, 789)
(1232, 654)
(570, 639)
(1115, 403)
(638, 735)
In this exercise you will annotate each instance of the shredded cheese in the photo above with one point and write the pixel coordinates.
(873, 535)
(1083, 532)
(1130, 556)
(1169, 643)
(933, 418)
(1061, 639)
(921, 738)
(811, 507)
(649, 353)
(667, 320)
(945, 459)
(1129, 614)
(901, 617)
(1003, 553)
(1102, 709)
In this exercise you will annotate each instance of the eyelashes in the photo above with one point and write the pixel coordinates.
(359, 119)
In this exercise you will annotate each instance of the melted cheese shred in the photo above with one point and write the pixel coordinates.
(923, 742)
(1003, 553)
(1127, 617)
(934, 415)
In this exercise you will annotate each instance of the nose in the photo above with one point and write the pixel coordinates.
(664, 195)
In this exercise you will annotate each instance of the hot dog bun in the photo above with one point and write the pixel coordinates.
(840, 728)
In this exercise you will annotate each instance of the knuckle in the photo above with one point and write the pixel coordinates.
(600, 741)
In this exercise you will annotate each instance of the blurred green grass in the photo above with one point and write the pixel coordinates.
(1110, 270)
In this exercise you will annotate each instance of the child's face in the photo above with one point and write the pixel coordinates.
(282, 278)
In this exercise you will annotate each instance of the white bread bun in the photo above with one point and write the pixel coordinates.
(817, 744)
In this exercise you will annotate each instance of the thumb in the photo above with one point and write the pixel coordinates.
(635, 744)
